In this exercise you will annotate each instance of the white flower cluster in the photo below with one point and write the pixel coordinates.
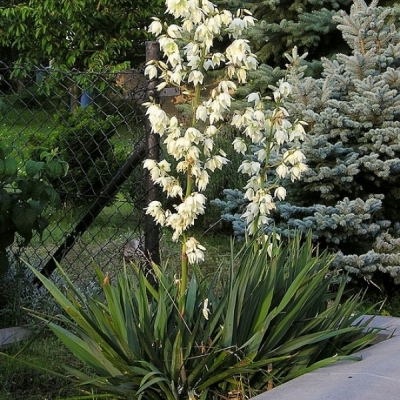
(202, 22)
(194, 250)
(188, 55)
(277, 139)
(184, 217)
(187, 50)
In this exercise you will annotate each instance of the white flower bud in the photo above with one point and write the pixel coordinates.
(205, 309)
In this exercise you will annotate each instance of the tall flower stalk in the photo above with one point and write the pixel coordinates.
(189, 54)
(271, 146)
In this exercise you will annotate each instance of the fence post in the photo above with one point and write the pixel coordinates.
(151, 229)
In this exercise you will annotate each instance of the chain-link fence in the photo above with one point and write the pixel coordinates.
(95, 123)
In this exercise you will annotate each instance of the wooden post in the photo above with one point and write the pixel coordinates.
(151, 229)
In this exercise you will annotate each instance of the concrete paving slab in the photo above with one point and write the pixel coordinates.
(376, 375)
(14, 334)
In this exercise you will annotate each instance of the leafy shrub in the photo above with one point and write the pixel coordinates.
(84, 140)
(33, 98)
(277, 317)
(18, 293)
(3, 108)
(25, 194)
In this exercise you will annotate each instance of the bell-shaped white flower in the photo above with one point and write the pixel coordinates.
(194, 62)
(297, 170)
(207, 6)
(239, 145)
(155, 210)
(226, 17)
(236, 52)
(151, 71)
(285, 88)
(213, 24)
(217, 58)
(188, 25)
(281, 136)
(195, 252)
(177, 75)
(208, 145)
(282, 170)
(202, 180)
(201, 113)
(298, 132)
(253, 97)
(192, 49)
(215, 162)
(159, 120)
(155, 27)
(210, 131)
(177, 223)
(208, 64)
(237, 27)
(289, 157)
(241, 74)
(250, 167)
(174, 31)
(251, 62)
(196, 77)
(280, 193)
(178, 8)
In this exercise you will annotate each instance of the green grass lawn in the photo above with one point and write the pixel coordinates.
(26, 127)
(21, 377)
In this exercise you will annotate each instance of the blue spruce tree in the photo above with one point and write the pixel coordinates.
(351, 194)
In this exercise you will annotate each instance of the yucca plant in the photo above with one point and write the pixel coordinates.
(275, 316)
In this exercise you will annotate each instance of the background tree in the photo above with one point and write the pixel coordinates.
(306, 24)
(351, 193)
(81, 34)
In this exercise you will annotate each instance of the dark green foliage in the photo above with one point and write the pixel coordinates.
(3, 108)
(25, 193)
(389, 305)
(278, 308)
(16, 292)
(305, 24)
(283, 24)
(85, 140)
(32, 96)
(83, 34)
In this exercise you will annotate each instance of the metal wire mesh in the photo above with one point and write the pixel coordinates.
(96, 124)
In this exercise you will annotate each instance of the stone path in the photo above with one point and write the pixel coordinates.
(376, 375)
